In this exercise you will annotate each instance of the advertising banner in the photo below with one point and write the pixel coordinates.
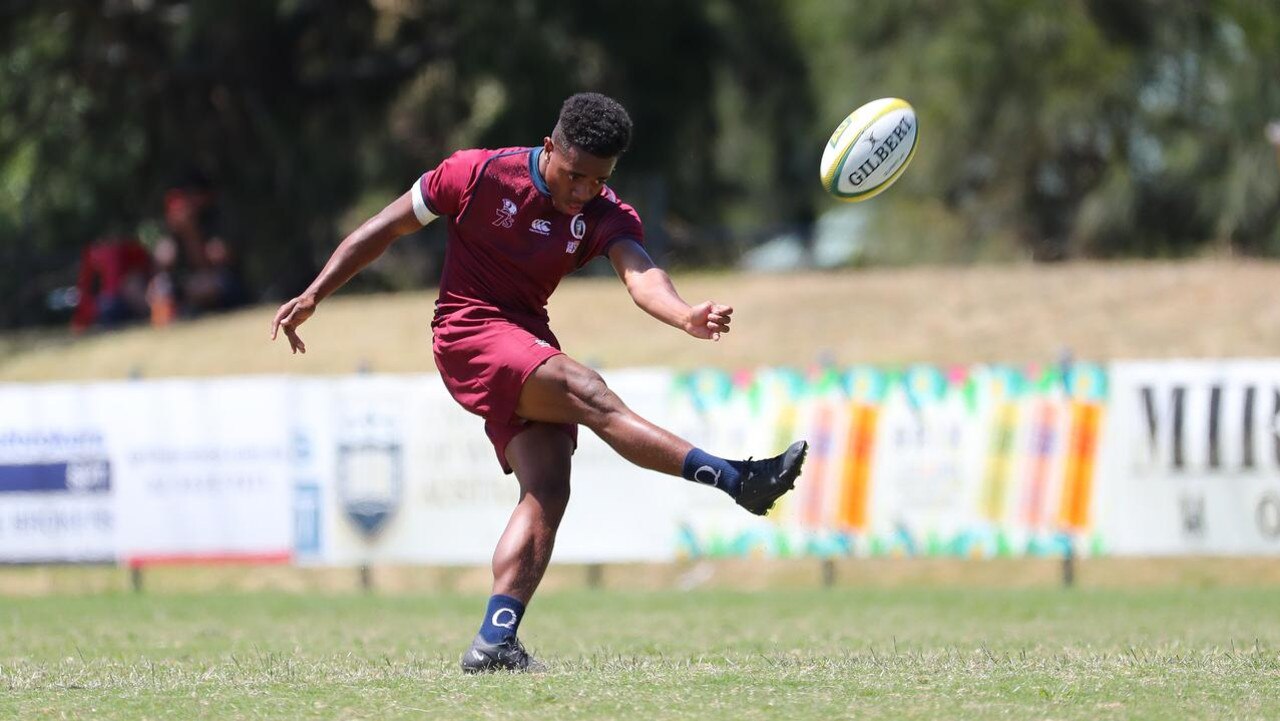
(202, 467)
(56, 479)
(1193, 458)
(1139, 458)
(402, 474)
(979, 461)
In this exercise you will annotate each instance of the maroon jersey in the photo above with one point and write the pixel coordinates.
(508, 246)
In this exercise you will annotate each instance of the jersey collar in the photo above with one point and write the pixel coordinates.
(538, 181)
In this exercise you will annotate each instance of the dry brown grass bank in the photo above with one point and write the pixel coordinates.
(1018, 313)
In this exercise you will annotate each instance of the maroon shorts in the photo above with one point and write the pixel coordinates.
(484, 362)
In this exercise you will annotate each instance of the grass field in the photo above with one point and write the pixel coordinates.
(707, 654)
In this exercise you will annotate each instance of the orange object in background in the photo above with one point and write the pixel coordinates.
(1077, 485)
(855, 477)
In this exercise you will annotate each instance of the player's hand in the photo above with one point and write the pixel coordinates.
(708, 320)
(290, 316)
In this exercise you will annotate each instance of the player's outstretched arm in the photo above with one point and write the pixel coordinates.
(651, 289)
(357, 250)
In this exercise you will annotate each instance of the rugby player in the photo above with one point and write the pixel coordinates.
(519, 220)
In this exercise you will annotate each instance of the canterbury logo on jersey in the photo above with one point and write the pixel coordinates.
(541, 226)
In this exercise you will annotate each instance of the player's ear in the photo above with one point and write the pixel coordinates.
(548, 145)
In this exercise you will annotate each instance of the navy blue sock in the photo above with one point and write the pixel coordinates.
(501, 619)
(702, 467)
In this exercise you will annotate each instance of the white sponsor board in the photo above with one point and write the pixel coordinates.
(202, 467)
(1192, 461)
(976, 461)
(357, 469)
(403, 474)
(56, 480)
(620, 512)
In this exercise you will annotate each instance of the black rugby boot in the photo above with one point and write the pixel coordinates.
(766, 480)
(507, 655)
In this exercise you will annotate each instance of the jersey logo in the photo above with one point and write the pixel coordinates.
(541, 226)
(578, 226)
(506, 214)
(572, 246)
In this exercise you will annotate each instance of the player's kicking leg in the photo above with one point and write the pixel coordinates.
(540, 457)
(562, 390)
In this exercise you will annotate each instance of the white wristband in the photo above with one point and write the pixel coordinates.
(420, 208)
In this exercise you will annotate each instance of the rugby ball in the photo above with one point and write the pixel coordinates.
(869, 150)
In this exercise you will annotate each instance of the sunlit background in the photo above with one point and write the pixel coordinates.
(1040, 374)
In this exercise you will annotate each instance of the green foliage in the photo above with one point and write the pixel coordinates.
(1054, 130)
(297, 109)
(109, 102)
(1090, 129)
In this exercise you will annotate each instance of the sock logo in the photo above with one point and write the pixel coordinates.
(508, 621)
(715, 476)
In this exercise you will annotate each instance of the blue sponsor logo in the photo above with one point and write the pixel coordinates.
(306, 520)
(301, 446)
(84, 476)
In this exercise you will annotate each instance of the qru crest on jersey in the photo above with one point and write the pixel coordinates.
(506, 214)
(578, 226)
(370, 483)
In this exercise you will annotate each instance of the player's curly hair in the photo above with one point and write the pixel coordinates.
(594, 123)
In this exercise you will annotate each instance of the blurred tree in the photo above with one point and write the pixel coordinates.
(672, 63)
(298, 109)
(106, 102)
(1052, 130)
(1068, 129)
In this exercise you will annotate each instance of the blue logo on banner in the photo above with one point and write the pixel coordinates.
(306, 519)
(87, 476)
(370, 482)
(301, 446)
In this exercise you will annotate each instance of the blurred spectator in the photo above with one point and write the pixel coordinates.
(112, 287)
(162, 292)
(1273, 134)
(196, 268)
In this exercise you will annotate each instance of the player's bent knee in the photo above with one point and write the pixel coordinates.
(551, 494)
(555, 499)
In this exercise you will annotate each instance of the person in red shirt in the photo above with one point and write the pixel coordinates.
(112, 284)
(519, 220)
